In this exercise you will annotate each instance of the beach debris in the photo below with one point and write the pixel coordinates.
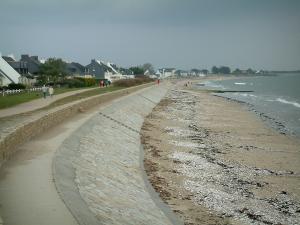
(226, 187)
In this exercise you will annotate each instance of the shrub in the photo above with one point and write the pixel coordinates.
(78, 82)
(132, 82)
(13, 86)
(74, 83)
(88, 82)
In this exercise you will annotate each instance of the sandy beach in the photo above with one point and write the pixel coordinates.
(215, 162)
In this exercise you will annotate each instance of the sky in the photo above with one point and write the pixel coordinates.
(258, 34)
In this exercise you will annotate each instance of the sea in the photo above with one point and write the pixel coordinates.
(275, 98)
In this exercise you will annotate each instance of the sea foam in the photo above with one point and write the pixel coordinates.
(296, 104)
(239, 83)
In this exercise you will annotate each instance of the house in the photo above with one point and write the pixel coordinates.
(27, 80)
(182, 73)
(99, 70)
(75, 69)
(33, 63)
(126, 72)
(167, 72)
(7, 73)
(22, 69)
(147, 73)
(198, 73)
(19, 66)
(158, 73)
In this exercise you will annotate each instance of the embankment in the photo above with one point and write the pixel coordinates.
(21, 131)
(98, 170)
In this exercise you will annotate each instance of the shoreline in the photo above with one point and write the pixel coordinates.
(269, 121)
(226, 164)
(260, 101)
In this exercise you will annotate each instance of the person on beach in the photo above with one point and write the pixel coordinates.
(51, 91)
(44, 90)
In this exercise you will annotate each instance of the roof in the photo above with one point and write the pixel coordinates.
(32, 59)
(8, 59)
(78, 66)
(166, 69)
(7, 71)
(102, 65)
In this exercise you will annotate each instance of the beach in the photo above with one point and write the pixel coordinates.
(213, 161)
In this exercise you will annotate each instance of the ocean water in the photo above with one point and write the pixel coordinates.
(275, 98)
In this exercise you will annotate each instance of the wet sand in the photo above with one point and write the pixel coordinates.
(215, 162)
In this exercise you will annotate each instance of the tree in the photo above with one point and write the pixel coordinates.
(53, 70)
(149, 67)
(224, 70)
(237, 71)
(214, 70)
(204, 71)
(137, 70)
(196, 71)
(250, 71)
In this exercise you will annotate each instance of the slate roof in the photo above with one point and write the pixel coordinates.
(8, 59)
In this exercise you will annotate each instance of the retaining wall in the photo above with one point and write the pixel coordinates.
(25, 131)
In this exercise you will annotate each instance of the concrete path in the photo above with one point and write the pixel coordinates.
(28, 195)
(97, 169)
(37, 103)
(103, 161)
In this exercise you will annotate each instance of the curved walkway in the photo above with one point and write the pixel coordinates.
(102, 160)
(28, 195)
(97, 171)
(37, 103)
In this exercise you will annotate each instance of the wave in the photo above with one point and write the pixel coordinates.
(296, 104)
(239, 83)
(213, 85)
(248, 95)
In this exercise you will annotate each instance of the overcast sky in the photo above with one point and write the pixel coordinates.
(261, 34)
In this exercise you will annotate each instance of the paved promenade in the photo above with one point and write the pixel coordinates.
(97, 170)
(103, 161)
(37, 103)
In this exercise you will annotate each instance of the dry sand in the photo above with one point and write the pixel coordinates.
(215, 162)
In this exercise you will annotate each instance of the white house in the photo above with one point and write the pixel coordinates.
(7, 73)
(167, 72)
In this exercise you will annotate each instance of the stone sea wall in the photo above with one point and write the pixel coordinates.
(98, 170)
(24, 131)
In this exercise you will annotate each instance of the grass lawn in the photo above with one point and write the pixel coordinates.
(12, 100)
(82, 95)
(15, 99)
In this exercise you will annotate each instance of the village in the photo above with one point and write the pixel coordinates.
(28, 71)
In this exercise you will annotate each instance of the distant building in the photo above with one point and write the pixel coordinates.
(126, 72)
(182, 73)
(27, 80)
(22, 69)
(198, 73)
(99, 70)
(33, 63)
(167, 72)
(75, 69)
(7, 73)
(19, 66)
(147, 73)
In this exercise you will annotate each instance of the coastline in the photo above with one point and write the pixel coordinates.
(270, 98)
(215, 162)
